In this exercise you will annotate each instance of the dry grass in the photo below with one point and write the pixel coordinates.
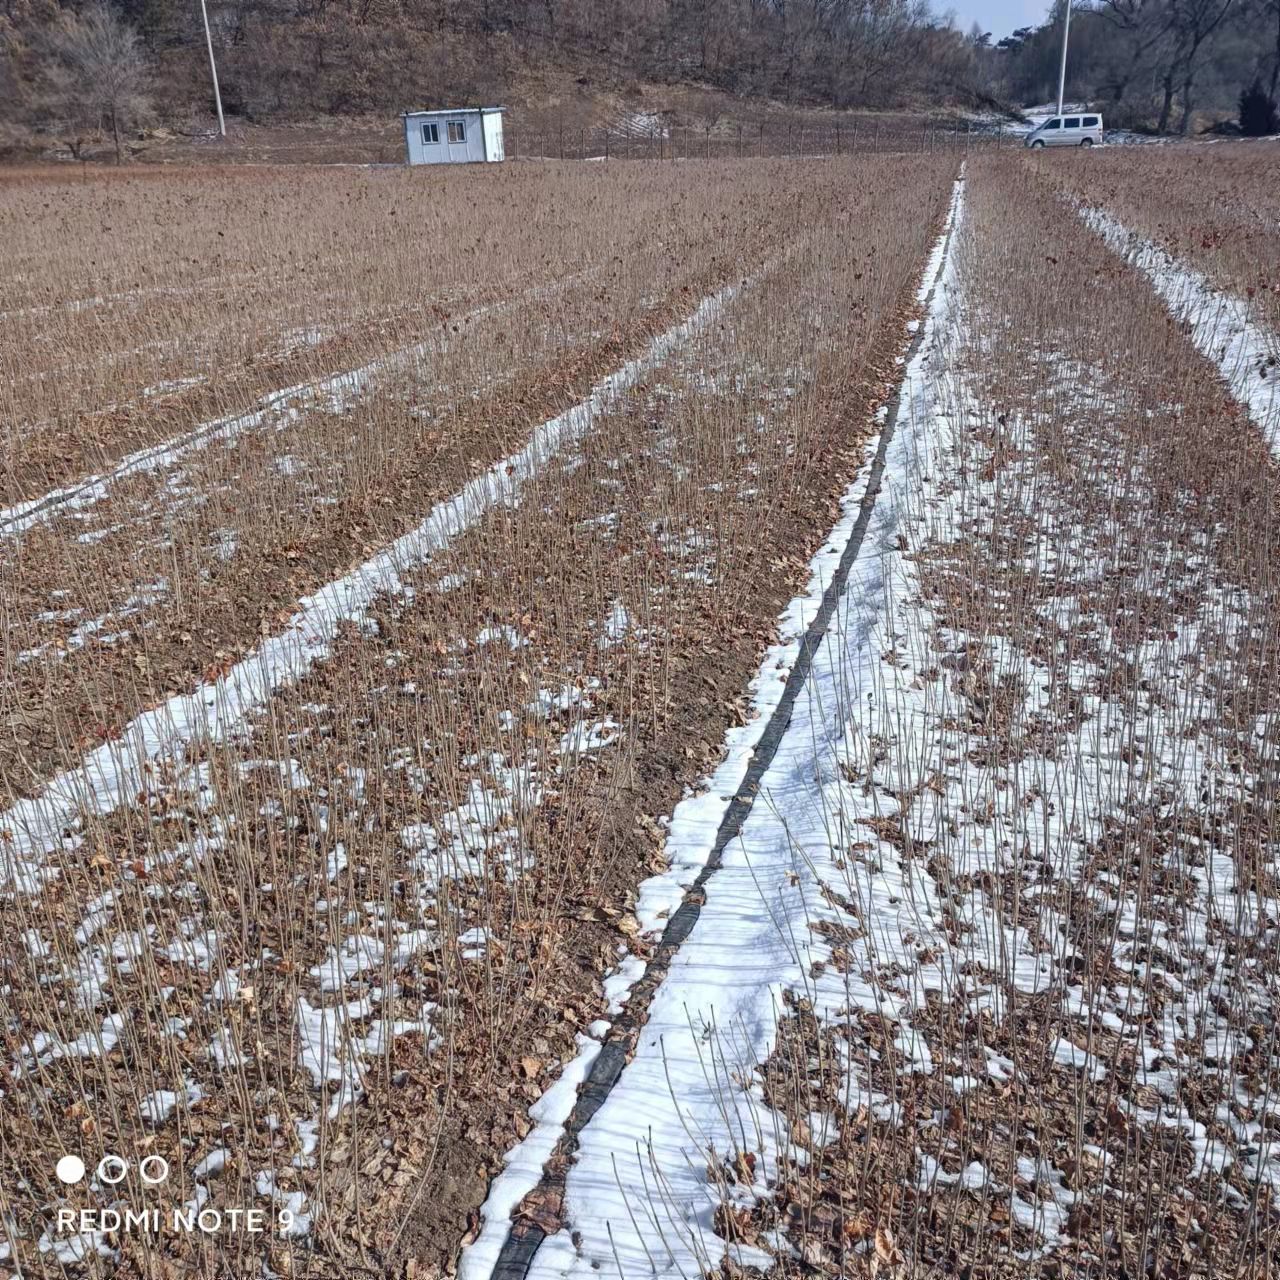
(341, 946)
(171, 572)
(174, 298)
(1041, 1032)
(1215, 207)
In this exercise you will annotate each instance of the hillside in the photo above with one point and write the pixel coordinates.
(344, 71)
(326, 79)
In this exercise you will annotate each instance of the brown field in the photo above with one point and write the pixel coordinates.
(389, 561)
(175, 300)
(1215, 207)
(416, 714)
(1086, 736)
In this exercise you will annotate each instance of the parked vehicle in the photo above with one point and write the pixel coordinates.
(1067, 131)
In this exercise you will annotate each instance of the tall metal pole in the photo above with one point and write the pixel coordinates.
(213, 70)
(1062, 67)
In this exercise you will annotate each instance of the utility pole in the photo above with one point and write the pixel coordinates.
(213, 70)
(1062, 67)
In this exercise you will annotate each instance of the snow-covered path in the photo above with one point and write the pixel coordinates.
(1220, 324)
(639, 1199)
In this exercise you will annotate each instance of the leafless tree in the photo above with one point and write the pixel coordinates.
(1142, 25)
(1271, 10)
(95, 75)
(1193, 23)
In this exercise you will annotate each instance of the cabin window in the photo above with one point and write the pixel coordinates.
(457, 131)
(1072, 122)
(1054, 124)
(1090, 122)
(430, 133)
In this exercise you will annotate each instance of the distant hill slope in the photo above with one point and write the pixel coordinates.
(559, 65)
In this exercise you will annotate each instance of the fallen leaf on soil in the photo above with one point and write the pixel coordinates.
(886, 1250)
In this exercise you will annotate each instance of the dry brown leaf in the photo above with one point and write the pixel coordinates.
(886, 1250)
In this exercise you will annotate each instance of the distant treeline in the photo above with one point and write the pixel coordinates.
(72, 70)
(1151, 64)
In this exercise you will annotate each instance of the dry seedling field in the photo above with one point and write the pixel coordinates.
(440, 814)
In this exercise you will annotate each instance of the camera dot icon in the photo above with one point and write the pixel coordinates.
(112, 1170)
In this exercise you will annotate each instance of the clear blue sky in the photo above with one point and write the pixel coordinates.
(997, 16)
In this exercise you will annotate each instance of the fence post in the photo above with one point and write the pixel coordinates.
(838, 151)
(606, 144)
(875, 144)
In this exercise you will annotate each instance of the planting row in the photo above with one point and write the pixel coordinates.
(133, 589)
(176, 298)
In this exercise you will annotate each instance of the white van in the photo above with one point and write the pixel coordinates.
(1067, 131)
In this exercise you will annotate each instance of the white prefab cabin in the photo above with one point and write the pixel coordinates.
(472, 135)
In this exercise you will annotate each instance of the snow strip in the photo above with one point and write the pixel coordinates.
(338, 389)
(524, 1164)
(691, 837)
(111, 775)
(1219, 323)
